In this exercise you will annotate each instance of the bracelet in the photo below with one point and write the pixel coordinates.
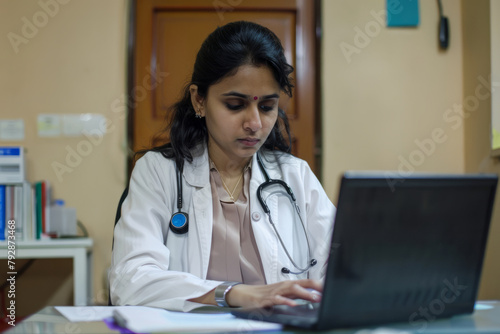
(221, 292)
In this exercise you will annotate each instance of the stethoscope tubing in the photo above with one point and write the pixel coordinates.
(179, 223)
(310, 264)
(268, 183)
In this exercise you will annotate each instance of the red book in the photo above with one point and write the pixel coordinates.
(44, 199)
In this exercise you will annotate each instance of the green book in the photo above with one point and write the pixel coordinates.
(39, 211)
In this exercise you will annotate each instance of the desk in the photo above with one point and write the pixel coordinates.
(79, 249)
(485, 319)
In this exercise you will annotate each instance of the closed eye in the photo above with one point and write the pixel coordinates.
(234, 107)
(269, 105)
(266, 108)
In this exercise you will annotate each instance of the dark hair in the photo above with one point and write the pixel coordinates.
(221, 54)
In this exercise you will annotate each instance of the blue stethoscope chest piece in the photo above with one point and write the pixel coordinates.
(179, 223)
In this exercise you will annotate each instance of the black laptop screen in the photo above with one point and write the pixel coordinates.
(406, 247)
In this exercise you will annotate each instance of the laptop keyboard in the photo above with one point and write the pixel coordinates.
(304, 315)
(304, 310)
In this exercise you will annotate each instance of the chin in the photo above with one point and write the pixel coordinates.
(248, 152)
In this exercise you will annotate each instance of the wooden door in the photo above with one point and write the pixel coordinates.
(168, 35)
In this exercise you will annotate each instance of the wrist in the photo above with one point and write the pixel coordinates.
(222, 292)
(234, 297)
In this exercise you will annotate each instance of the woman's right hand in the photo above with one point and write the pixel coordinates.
(281, 293)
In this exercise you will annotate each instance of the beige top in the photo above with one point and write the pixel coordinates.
(234, 255)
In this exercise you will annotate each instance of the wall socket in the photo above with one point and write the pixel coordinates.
(69, 125)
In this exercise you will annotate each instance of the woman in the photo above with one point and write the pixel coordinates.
(225, 135)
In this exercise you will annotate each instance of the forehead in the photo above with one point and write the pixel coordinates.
(248, 80)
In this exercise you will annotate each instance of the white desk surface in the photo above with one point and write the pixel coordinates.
(485, 319)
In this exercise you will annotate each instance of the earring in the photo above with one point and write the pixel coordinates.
(198, 114)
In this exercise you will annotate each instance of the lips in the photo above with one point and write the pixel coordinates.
(249, 141)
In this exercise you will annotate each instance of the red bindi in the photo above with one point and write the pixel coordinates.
(255, 97)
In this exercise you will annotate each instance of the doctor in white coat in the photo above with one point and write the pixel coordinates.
(228, 137)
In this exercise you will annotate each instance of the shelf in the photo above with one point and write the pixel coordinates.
(51, 243)
(79, 249)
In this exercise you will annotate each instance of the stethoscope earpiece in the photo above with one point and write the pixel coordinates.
(285, 270)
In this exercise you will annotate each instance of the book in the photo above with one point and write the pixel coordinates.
(9, 205)
(42, 202)
(38, 210)
(3, 222)
(27, 216)
(47, 202)
(33, 213)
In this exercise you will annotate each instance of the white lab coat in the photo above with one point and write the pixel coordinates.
(153, 266)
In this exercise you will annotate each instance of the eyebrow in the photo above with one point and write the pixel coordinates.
(248, 97)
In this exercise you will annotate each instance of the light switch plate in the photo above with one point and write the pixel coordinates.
(11, 129)
(49, 125)
(77, 125)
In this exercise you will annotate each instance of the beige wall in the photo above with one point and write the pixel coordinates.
(73, 64)
(391, 94)
(392, 88)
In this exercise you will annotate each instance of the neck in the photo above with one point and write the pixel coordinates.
(228, 167)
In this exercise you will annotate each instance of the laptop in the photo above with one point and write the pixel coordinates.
(404, 249)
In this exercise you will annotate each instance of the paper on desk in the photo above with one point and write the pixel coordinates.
(87, 313)
(147, 319)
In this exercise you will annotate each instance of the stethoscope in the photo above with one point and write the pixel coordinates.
(179, 223)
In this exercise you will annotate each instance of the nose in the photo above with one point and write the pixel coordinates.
(252, 119)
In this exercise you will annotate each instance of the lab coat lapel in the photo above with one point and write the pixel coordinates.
(201, 210)
(265, 237)
(202, 205)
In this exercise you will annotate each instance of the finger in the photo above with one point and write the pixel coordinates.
(311, 284)
(281, 300)
(297, 291)
(315, 296)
